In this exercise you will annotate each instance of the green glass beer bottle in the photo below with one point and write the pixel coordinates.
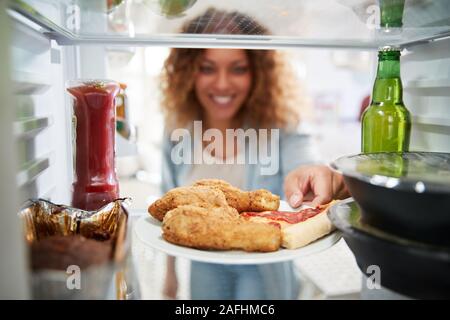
(391, 13)
(386, 123)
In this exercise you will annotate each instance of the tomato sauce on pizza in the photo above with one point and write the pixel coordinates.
(286, 216)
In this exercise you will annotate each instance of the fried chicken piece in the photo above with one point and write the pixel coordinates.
(199, 196)
(211, 229)
(257, 200)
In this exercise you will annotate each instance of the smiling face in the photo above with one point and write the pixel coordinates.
(222, 83)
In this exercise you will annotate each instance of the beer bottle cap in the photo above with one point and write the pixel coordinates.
(389, 53)
(389, 48)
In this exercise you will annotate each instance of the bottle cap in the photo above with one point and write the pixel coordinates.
(389, 53)
(389, 48)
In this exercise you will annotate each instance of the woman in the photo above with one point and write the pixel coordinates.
(231, 89)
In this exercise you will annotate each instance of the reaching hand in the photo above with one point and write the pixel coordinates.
(314, 185)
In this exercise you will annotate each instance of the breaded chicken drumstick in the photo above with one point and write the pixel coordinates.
(212, 229)
(200, 196)
(255, 201)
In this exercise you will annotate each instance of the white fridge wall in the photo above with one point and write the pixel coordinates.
(426, 80)
(39, 77)
(39, 69)
(43, 67)
(13, 273)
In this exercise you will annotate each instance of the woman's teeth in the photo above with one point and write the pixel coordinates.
(222, 99)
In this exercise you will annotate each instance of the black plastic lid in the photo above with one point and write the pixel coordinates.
(411, 171)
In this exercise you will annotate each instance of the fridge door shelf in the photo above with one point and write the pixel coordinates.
(30, 127)
(32, 170)
(30, 83)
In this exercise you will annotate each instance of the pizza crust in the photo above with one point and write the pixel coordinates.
(301, 234)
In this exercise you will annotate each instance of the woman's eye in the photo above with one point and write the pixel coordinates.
(240, 69)
(206, 69)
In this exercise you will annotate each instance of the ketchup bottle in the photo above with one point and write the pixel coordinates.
(95, 183)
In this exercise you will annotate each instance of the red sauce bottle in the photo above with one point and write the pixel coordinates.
(95, 182)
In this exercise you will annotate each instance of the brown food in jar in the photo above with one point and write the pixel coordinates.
(59, 252)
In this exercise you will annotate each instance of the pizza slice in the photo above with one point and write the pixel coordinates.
(299, 228)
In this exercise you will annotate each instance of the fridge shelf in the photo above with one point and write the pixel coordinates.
(31, 171)
(292, 23)
(30, 83)
(31, 127)
(432, 121)
(428, 84)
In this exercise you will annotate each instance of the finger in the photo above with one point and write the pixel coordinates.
(292, 191)
(303, 186)
(339, 189)
(296, 199)
(317, 201)
(322, 188)
(290, 185)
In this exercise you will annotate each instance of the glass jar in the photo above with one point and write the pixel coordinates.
(95, 181)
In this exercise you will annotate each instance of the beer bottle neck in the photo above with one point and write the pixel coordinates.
(388, 85)
(389, 68)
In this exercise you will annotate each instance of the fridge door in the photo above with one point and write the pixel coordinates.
(13, 273)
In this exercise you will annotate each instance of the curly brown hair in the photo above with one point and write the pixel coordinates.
(272, 100)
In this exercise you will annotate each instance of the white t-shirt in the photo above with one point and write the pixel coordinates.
(232, 173)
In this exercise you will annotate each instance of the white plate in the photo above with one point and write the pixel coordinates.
(148, 230)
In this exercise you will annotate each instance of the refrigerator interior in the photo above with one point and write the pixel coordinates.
(53, 41)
